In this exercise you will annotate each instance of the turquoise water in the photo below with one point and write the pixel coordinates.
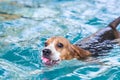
(26, 24)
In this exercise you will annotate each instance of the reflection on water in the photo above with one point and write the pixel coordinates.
(26, 24)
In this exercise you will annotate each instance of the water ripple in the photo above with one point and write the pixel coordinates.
(26, 24)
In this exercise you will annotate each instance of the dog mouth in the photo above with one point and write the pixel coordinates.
(48, 61)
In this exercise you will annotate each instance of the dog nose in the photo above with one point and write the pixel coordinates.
(46, 52)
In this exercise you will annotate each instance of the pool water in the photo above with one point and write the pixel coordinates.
(26, 24)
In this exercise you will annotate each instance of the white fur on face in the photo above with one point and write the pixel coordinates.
(55, 54)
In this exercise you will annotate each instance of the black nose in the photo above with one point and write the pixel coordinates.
(46, 52)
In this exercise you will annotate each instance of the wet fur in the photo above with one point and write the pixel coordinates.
(79, 49)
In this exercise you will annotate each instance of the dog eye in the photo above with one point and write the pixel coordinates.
(46, 44)
(60, 45)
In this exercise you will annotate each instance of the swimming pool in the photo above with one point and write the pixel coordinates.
(26, 24)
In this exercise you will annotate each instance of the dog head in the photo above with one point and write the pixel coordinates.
(59, 48)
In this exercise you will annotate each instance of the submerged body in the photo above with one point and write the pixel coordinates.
(102, 41)
(99, 43)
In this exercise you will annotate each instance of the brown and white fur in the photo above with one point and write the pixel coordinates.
(59, 48)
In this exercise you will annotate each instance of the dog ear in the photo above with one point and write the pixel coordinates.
(78, 52)
(69, 52)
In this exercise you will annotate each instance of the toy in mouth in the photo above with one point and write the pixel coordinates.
(48, 61)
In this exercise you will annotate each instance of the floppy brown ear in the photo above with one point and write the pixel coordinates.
(78, 52)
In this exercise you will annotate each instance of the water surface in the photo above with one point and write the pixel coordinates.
(26, 24)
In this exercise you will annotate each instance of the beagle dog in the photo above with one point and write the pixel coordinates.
(59, 48)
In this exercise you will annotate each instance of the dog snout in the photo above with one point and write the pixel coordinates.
(46, 52)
